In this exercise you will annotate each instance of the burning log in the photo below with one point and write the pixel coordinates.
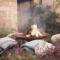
(34, 32)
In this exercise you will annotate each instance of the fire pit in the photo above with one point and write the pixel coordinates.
(32, 34)
(26, 38)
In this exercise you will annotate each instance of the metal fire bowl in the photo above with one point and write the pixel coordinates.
(23, 37)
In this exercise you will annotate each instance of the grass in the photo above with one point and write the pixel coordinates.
(28, 57)
(5, 31)
(18, 58)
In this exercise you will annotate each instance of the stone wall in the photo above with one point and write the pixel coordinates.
(47, 2)
(8, 14)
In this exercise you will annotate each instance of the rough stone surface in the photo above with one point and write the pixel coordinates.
(56, 41)
(8, 14)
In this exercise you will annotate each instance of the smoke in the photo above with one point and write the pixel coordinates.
(39, 17)
(28, 16)
(24, 16)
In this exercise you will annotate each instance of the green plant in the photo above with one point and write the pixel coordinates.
(32, 57)
(4, 31)
(18, 58)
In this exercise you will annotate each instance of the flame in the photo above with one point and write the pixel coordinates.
(35, 31)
